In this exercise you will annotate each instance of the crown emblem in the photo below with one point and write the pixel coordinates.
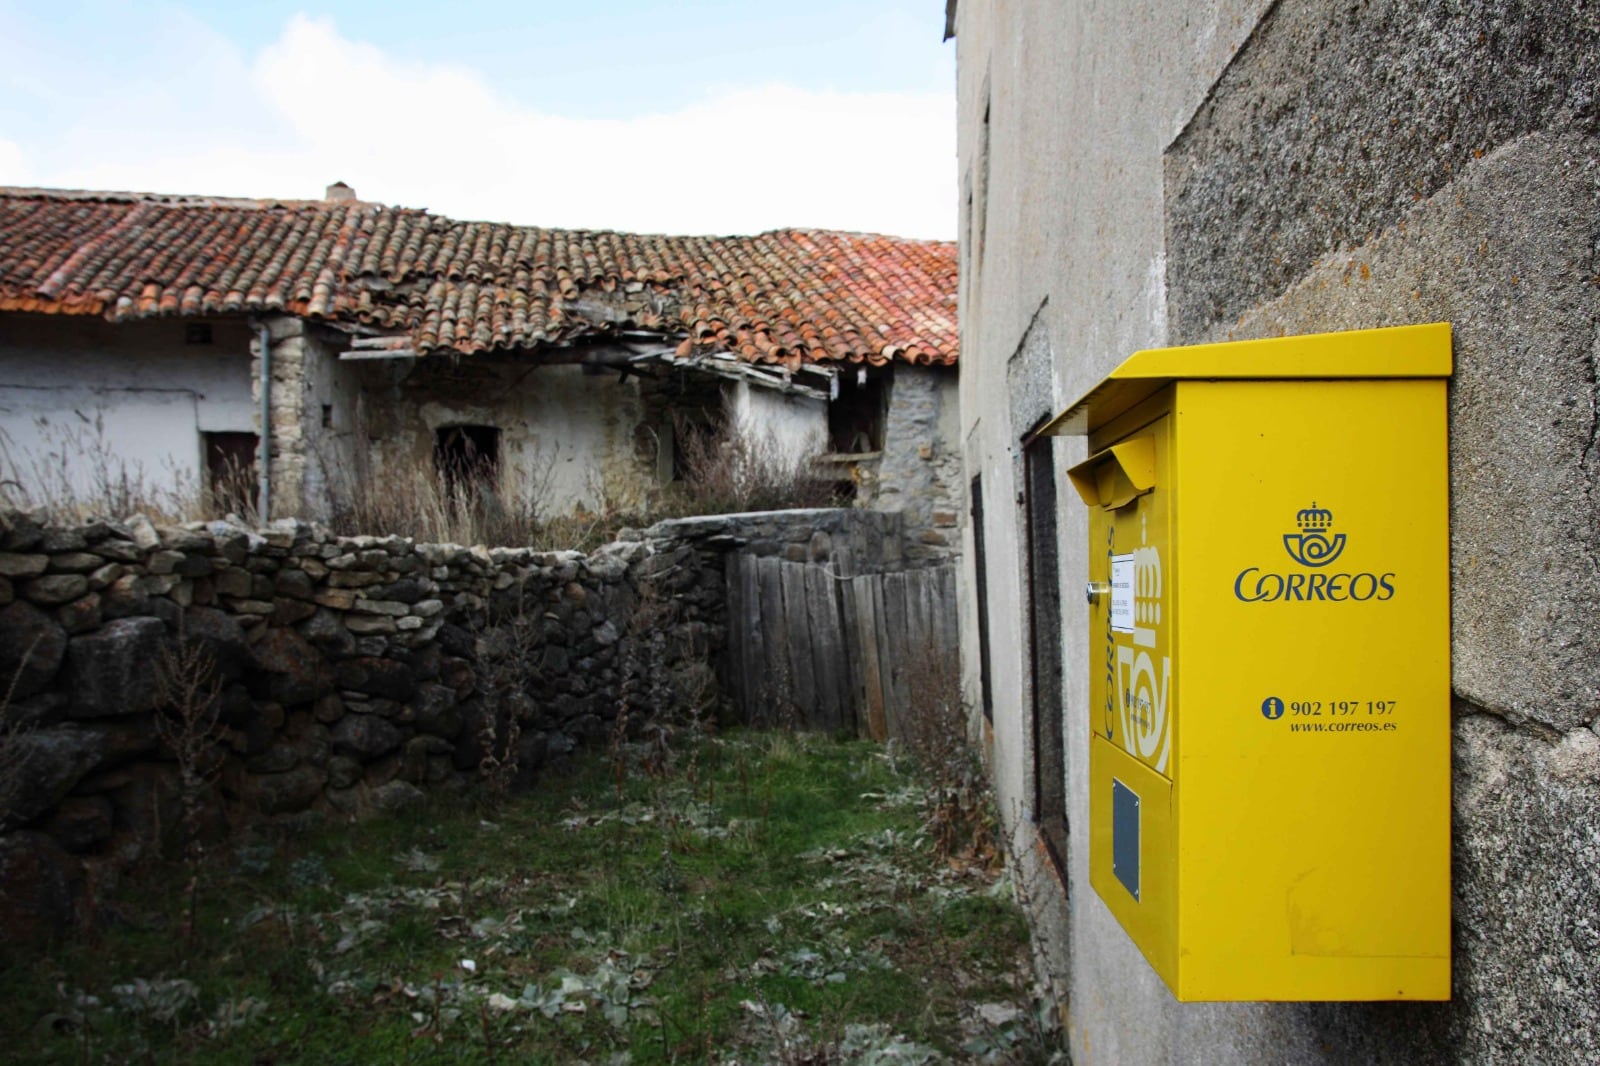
(1314, 517)
(1313, 546)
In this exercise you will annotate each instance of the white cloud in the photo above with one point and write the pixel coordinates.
(438, 136)
(13, 164)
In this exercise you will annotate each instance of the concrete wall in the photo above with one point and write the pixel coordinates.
(82, 400)
(1164, 172)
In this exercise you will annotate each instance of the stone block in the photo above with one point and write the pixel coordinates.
(81, 615)
(53, 590)
(366, 736)
(363, 624)
(374, 676)
(32, 645)
(49, 762)
(74, 562)
(284, 793)
(296, 671)
(113, 671)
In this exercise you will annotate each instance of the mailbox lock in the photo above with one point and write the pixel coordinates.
(1095, 590)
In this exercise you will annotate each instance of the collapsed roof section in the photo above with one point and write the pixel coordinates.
(409, 282)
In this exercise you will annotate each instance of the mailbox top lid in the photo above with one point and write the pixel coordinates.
(1396, 352)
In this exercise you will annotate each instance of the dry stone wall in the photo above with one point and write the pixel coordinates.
(350, 673)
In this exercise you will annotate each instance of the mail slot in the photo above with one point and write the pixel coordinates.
(1269, 663)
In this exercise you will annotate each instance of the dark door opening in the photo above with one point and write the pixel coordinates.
(1044, 638)
(230, 473)
(856, 415)
(981, 591)
(467, 458)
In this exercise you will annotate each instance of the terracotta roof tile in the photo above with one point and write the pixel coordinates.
(787, 296)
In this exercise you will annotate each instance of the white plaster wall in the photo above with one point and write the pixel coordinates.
(795, 425)
(93, 398)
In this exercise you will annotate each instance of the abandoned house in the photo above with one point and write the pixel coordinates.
(137, 332)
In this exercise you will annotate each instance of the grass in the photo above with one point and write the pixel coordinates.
(770, 898)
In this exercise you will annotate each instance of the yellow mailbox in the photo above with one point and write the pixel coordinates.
(1269, 712)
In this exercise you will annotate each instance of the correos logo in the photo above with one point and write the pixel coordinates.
(1312, 546)
(1315, 545)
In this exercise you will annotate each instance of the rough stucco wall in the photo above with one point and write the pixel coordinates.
(1355, 165)
(1083, 99)
(792, 426)
(152, 393)
(567, 439)
(1506, 253)
(1343, 115)
(920, 473)
(330, 424)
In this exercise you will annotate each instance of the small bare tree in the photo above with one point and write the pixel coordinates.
(187, 723)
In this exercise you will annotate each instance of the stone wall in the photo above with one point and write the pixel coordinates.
(349, 673)
(919, 474)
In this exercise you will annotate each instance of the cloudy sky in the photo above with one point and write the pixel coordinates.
(677, 116)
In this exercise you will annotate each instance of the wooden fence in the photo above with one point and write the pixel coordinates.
(820, 650)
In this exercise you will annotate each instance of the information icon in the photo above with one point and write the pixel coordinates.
(1272, 708)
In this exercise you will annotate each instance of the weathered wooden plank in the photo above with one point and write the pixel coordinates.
(771, 691)
(827, 647)
(949, 614)
(867, 593)
(854, 680)
(895, 645)
(800, 668)
(739, 634)
(753, 623)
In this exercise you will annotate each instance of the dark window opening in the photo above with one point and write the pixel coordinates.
(981, 589)
(197, 333)
(327, 416)
(1044, 640)
(856, 415)
(230, 474)
(467, 458)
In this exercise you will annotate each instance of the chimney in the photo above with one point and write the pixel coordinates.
(339, 191)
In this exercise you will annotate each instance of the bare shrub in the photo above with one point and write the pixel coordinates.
(509, 662)
(15, 750)
(727, 470)
(188, 724)
(935, 734)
